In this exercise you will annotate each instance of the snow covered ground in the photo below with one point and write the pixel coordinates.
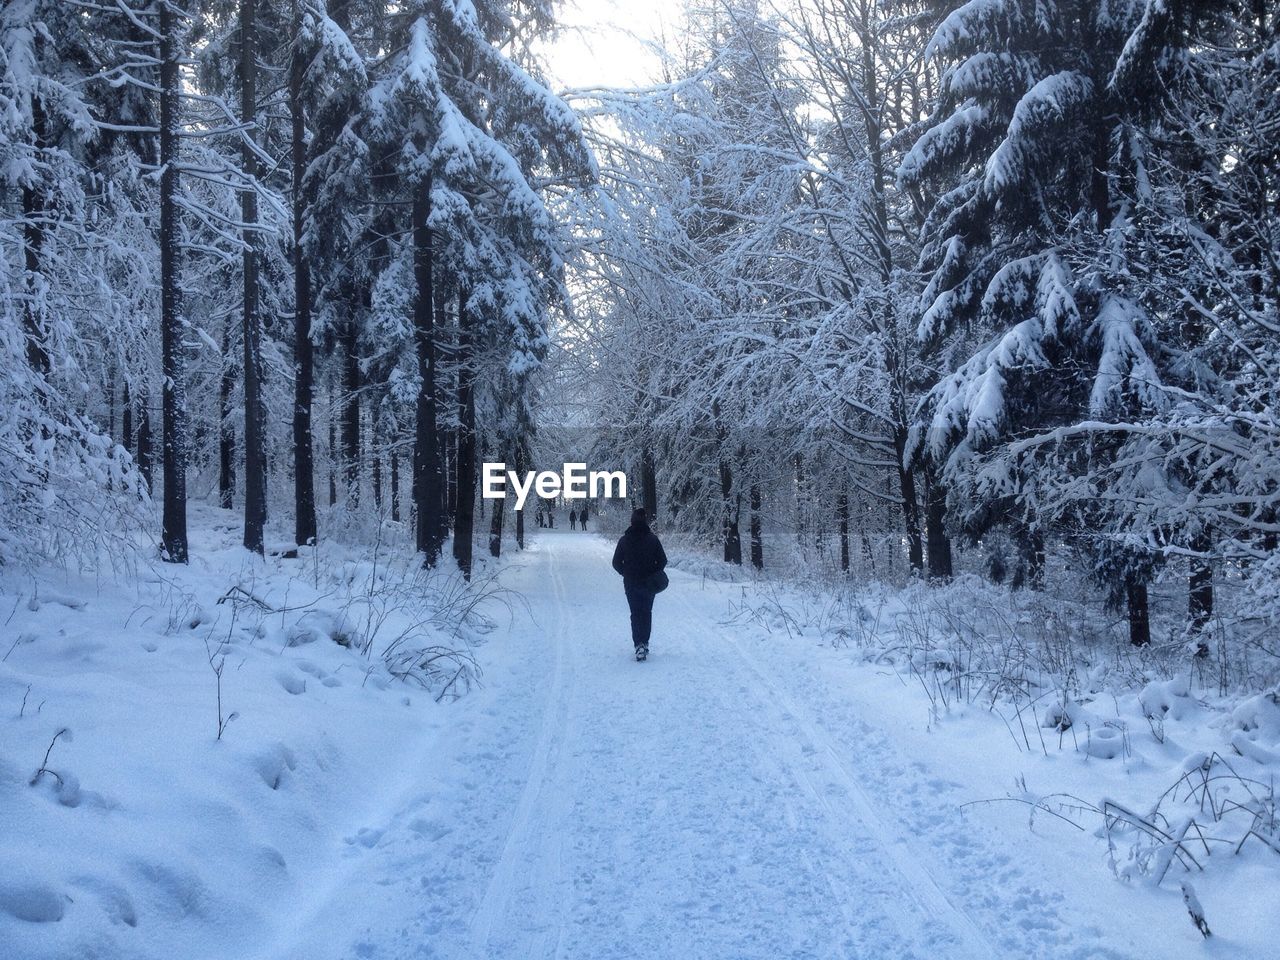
(749, 792)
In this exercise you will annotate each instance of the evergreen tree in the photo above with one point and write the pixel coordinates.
(1029, 156)
(475, 135)
(60, 469)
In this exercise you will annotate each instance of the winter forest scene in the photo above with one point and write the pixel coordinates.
(670, 480)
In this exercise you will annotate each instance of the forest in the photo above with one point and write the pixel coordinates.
(904, 278)
(938, 340)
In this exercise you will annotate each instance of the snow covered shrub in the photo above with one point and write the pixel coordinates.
(1256, 728)
(766, 606)
(975, 642)
(65, 488)
(1106, 742)
(419, 623)
(1061, 715)
(64, 485)
(323, 625)
(1165, 698)
(1211, 808)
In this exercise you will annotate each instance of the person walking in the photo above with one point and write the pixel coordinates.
(573, 519)
(641, 561)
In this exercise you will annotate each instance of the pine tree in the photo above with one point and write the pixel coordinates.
(1028, 157)
(304, 491)
(173, 536)
(481, 233)
(255, 452)
(60, 471)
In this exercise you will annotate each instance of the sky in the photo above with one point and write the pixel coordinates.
(602, 42)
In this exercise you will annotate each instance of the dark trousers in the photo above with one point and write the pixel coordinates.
(640, 600)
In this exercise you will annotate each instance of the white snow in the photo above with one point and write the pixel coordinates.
(744, 794)
(1124, 359)
(1042, 112)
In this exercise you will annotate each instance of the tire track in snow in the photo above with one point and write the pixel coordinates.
(902, 854)
(910, 864)
(532, 837)
(678, 850)
(1019, 918)
(850, 880)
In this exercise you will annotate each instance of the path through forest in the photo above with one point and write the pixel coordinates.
(695, 806)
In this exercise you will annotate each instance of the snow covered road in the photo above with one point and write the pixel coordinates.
(586, 806)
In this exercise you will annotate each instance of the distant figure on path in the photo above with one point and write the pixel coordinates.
(582, 517)
(551, 518)
(640, 559)
(573, 519)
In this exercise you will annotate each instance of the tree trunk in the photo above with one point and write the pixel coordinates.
(464, 458)
(351, 410)
(1139, 614)
(1200, 593)
(333, 444)
(729, 521)
(111, 410)
(255, 449)
(126, 420)
(395, 484)
(33, 214)
(910, 508)
(173, 535)
(939, 545)
(496, 512)
(842, 519)
(448, 463)
(522, 460)
(757, 538)
(226, 429)
(145, 455)
(649, 484)
(304, 489)
(1037, 560)
(495, 529)
(428, 481)
(802, 499)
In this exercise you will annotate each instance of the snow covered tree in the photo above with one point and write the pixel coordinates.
(689, 265)
(324, 67)
(472, 138)
(171, 34)
(255, 453)
(863, 64)
(1029, 305)
(60, 471)
(1183, 480)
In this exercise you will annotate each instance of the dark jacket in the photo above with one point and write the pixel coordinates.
(639, 555)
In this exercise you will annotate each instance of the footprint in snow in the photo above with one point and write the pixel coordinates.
(430, 829)
(291, 684)
(317, 671)
(32, 902)
(113, 898)
(275, 765)
(367, 837)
